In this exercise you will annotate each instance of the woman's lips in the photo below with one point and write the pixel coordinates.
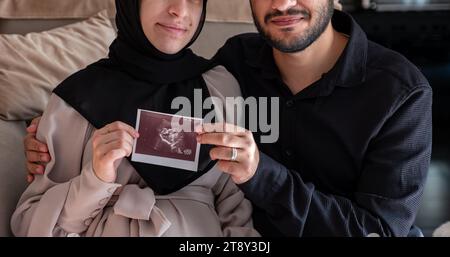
(286, 21)
(173, 29)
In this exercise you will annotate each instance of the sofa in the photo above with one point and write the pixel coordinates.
(13, 180)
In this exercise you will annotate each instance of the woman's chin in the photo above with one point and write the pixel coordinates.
(170, 48)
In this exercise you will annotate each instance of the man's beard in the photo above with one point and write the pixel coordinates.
(301, 42)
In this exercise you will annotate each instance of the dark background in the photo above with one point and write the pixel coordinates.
(420, 30)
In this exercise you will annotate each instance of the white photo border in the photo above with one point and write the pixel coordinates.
(165, 161)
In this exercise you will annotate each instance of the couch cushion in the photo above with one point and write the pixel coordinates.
(53, 9)
(32, 65)
(12, 170)
(218, 10)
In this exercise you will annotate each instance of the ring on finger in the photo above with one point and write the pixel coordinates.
(234, 154)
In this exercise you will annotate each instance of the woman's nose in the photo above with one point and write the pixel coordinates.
(178, 8)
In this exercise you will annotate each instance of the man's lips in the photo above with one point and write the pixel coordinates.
(174, 29)
(286, 21)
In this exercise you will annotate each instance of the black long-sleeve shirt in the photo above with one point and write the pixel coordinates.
(354, 147)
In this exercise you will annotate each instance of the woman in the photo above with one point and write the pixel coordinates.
(91, 187)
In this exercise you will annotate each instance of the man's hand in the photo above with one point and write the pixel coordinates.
(110, 145)
(226, 137)
(36, 152)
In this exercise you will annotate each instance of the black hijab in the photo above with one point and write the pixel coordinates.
(138, 76)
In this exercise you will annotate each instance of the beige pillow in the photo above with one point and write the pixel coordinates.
(32, 65)
(54, 9)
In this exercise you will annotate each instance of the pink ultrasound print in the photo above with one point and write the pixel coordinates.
(164, 143)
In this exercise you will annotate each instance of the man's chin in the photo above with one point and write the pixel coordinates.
(286, 34)
(284, 42)
(294, 45)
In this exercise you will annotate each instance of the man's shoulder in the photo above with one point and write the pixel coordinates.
(247, 44)
(393, 66)
(244, 39)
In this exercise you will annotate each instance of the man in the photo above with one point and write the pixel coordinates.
(355, 126)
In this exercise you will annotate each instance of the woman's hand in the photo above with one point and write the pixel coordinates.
(36, 152)
(110, 145)
(235, 149)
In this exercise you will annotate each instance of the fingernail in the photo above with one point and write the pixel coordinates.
(43, 149)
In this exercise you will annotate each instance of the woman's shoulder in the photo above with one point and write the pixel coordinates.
(218, 71)
(57, 105)
(83, 80)
(220, 81)
(59, 113)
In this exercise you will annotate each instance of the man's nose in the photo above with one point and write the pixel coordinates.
(178, 8)
(283, 5)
